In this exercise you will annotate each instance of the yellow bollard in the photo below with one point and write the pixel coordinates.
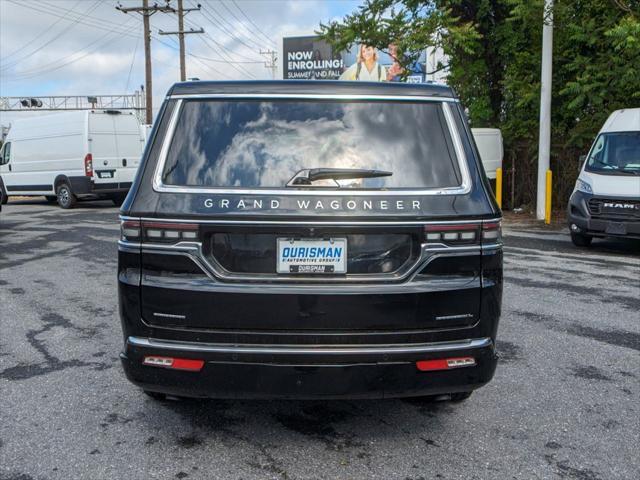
(547, 209)
(499, 186)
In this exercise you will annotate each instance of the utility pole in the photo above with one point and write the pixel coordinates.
(272, 61)
(146, 11)
(544, 144)
(181, 33)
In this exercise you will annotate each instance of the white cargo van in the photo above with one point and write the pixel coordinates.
(70, 155)
(489, 143)
(606, 198)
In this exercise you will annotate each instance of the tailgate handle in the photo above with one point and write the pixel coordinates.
(124, 162)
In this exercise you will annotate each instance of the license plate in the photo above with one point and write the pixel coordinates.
(615, 228)
(312, 256)
(105, 174)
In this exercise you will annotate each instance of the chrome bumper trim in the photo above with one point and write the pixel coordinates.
(305, 350)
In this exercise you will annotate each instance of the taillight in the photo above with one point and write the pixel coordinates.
(158, 232)
(130, 230)
(491, 232)
(170, 232)
(461, 234)
(88, 165)
(453, 234)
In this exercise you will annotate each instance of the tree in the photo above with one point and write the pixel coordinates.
(494, 54)
(411, 25)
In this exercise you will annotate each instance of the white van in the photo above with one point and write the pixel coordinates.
(70, 155)
(606, 199)
(489, 143)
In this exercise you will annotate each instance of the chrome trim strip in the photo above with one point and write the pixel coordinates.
(314, 96)
(303, 223)
(204, 284)
(315, 350)
(459, 149)
(169, 315)
(462, 189)
(455, 317)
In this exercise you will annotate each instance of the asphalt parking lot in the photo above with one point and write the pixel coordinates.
(563, 404)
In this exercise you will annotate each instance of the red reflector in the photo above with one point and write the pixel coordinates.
(174, 363)
(445, 363)
(187, 364)
(428, 365)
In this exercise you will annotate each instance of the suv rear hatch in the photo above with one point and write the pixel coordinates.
(235, 158)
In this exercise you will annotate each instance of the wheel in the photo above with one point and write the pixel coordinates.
(51, 198)
(460, 396)
(4, 198)
(155, 395)
(580, 240)
(66, 198)
(444, 397)
(118, 198)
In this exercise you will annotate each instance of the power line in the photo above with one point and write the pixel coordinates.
(239, 69)
(33, 52)
(146, 11)
(233, 32)
(55, 65)
(195, 57)
(241, 23)
(39, 35)
(221, 51)
(217, 24)
(272, 61)
(181, 33)
(133, 59)
(88, 21)
(271, 42)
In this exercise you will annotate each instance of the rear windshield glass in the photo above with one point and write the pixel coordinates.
(253, 144)
(616, 154)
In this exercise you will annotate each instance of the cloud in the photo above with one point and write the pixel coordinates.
(43, 54)
(265, 145)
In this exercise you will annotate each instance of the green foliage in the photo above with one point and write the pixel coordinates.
(494, 51)
(410, 24)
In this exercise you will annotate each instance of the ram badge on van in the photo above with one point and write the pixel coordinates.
(310, 240)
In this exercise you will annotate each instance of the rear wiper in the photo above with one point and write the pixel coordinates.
(308, 176)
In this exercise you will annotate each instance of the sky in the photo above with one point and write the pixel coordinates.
(87, 47)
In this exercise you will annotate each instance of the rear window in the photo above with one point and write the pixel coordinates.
(254, 144)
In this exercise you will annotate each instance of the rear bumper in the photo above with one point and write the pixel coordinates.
(578, 214)
(259, 371)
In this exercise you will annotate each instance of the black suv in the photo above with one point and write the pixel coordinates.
(310, 240)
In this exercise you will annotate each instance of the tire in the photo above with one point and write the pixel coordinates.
(580, 240)
(445, 397)
(65, 197)
(460, 396)
(4, 198)
(51, 198)
(118, 199)
(155, 395)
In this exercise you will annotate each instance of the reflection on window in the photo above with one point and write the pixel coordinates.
(264, 144)
(616, 153)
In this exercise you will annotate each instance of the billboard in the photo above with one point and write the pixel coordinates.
(311, 58)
